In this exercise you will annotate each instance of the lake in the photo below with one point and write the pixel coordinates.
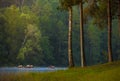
(34, 69)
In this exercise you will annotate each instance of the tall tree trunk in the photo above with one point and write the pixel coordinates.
(70, 55)
(109, 31)
(21, 4)
(81, 35)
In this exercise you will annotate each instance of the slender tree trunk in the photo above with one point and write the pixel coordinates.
(109, 31)
(82, 36)
(21, 4)
(70, 55)
(24, 40)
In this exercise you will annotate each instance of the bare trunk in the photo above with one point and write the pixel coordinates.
(70, 55)
(82, 36)
(21, 3)
(109, 31)
(24, 41)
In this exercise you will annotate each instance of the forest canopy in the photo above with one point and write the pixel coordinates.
(36, 32)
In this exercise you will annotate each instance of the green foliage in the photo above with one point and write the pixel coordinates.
(115, 40)
(95, 43)
(35, 32)
(32, 36)
(64, 4)
(14, 29)
(23, 34)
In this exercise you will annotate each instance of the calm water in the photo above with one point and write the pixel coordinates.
(35, 69)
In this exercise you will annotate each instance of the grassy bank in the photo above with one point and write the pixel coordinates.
(104, 72)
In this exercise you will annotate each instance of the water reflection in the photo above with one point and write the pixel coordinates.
(35, 69)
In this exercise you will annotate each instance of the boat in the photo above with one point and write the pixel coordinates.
(52, 67)
(29, 66)
(20, 66)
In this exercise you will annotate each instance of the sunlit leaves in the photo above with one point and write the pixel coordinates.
(22, 30)
(31, 40)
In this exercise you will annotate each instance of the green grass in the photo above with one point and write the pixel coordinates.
(104, 72)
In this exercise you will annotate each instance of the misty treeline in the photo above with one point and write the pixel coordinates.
(36, 32)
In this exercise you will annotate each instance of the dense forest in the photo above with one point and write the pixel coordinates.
(36, 32)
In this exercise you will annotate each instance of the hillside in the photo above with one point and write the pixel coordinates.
(104, 72)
